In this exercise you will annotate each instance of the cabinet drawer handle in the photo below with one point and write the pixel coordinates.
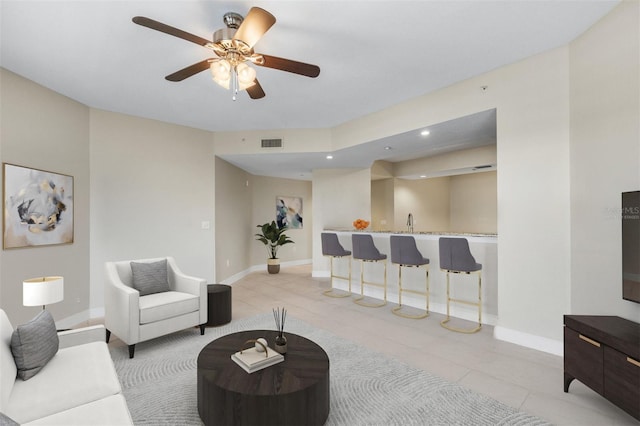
(633, 361)
(586, 339)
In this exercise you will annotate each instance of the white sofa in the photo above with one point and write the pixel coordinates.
(78, 386)
(135, 318)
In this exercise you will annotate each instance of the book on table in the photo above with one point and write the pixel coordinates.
(251, 360)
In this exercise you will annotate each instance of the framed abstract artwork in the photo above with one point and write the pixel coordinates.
(38, 207)
(289, 212)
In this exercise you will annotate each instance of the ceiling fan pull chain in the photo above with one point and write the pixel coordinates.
(234, 81)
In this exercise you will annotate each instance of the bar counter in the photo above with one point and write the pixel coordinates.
(484, 248)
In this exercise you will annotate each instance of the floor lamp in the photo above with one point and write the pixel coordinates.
(42, 291)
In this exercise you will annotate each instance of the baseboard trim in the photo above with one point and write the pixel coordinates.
(527, 340)
(257, 268)
(75, 319)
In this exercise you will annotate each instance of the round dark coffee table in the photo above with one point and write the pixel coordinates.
(293, 392)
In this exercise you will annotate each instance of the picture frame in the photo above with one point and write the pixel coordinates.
(38, 207)
(289, 212)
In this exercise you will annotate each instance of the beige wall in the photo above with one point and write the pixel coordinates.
(605, 157)
(264, 193)
(151, 189)
(382, 207)
(234, 224)
(474, 203)
(426, 199)
(568, 131)
(42, 129)
(293, 140)
(447, 164)
(243, 201)
(461, 203)
(340, 196)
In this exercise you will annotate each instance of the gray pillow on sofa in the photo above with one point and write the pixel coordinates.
(150, 277)
(7, 421)
(34, 344)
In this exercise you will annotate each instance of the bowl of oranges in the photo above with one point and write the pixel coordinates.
(360, 224)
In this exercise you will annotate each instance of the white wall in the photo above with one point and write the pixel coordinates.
(45, 130)
(152, 187)
(605, 157)
(532, 104)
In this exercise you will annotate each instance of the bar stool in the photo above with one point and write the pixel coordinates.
(365, 251)
(331, 247)
(404, 252)
(456, 258)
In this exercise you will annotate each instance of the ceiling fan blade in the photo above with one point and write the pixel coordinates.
(255, 91)
(255, 24)
(288, 65)
(189, 71)
(167, 29)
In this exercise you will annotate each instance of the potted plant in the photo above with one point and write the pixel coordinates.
(273, 237)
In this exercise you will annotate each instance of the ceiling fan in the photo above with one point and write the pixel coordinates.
(234, 47)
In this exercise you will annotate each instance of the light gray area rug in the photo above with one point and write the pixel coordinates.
(367, 388)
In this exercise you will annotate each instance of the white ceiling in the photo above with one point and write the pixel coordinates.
(372, 54)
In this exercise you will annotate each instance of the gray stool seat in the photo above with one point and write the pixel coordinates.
(365, 251)
(456, 258)
(331, 247)
(405, 253)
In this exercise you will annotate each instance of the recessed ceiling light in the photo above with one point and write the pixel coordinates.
(423, 176)
(329, 157)
(388, 148)
(425, 132)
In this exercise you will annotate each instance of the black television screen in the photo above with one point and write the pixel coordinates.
(631, 246)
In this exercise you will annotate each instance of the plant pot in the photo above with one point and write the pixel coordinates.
(273, 266)
(280, 345)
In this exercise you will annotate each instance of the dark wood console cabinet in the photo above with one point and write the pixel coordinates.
(603, 352)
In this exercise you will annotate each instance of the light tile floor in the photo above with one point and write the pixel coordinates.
(520, 377)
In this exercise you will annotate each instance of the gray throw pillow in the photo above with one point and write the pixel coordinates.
(34, 344)
(150, 277)
(7, 421)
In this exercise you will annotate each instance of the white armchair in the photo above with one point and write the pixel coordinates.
(135, 318)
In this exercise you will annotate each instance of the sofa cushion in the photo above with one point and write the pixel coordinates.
(8, 369)
(33, 344)
(108, 411)
(160, 306)
(75, 376)
(150, 277)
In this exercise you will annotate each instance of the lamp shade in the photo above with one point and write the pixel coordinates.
(42, 291)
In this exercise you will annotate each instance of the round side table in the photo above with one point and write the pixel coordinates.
(218, 304)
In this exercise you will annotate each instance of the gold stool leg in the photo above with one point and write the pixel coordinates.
(331, 292)
(360, 299)
(398, 309)
(466, 302)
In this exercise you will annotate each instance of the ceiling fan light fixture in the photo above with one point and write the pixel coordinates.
(220, 70)
(246, 74)
(233, 45)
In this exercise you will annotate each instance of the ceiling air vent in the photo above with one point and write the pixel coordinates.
(272, 143)
(485, 166)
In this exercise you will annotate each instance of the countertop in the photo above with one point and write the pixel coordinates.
(368, 231)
